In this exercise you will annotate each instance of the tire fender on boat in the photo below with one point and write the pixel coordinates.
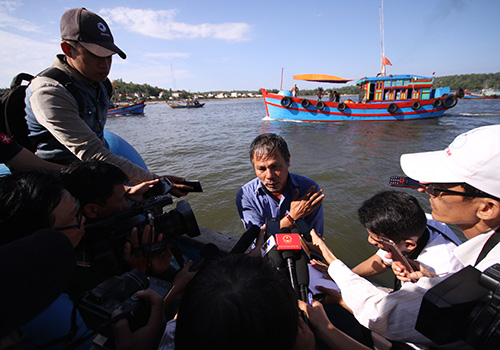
(460, 93)
(416, 105)
(305, 103)
(320, 105)
(450, 101)
(286, 101)
(341, 106)
(392, 108)
(437, 103)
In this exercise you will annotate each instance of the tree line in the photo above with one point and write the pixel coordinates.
(471, 82)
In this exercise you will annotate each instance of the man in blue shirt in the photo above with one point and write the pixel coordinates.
(276, 192)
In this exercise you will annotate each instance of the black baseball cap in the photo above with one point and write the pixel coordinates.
(90, 30)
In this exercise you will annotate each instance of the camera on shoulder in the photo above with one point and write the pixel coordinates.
(465, 306)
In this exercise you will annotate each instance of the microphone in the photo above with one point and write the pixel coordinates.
(245, 240)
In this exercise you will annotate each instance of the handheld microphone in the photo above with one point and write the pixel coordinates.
(245, 240)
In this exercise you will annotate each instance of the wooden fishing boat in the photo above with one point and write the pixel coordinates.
(382, 98)
(488, 94)
(186, 104)
(133, 108)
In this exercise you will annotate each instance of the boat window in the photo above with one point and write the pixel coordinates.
(410, 93)
(371, 97)
(398, 94)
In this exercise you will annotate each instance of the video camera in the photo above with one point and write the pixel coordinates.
(104, 240)
(118, 292)
(465, 306)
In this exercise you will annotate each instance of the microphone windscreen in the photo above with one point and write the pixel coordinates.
(302, 269)
(275, 258)
(245, 240)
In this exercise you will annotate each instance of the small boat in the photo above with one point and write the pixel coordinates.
(132, 108)
(489, 93)
(186, 104)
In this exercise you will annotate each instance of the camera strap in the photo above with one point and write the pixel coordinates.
(488, 246)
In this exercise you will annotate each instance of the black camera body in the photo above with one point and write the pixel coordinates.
(104, 240)
(465, 306)
(118, 292)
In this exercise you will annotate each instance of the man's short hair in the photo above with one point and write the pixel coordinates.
(27, 199)
(237, 302)
(92, 181)
(266, 144)
(393, 214)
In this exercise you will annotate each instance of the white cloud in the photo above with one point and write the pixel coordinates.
(20, 54)
(7, 20)
(161, 24)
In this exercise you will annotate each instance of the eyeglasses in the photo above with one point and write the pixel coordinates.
(79, 216)
(436, 191)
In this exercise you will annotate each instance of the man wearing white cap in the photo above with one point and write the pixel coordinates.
(66, 107)
(464, 184)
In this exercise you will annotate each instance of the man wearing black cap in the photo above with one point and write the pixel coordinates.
(64, 128)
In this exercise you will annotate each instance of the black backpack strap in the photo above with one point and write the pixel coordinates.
(64, 80)
(488, 246)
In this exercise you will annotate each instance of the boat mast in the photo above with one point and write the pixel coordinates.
(173, 78)
(382, 43)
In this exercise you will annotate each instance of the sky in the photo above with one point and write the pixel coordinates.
(221, 45)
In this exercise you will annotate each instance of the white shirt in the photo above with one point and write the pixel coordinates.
(394, 315)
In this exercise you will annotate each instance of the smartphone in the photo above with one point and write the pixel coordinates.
(160, 188)
(397, 255)
(272, 227)
(304, 229)
(195, 184)
(403, 181)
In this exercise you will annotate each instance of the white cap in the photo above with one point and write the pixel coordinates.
(473, 158)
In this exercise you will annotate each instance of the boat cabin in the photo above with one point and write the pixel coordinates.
(395, 88)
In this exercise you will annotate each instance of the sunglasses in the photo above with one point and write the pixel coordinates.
(436, 191)
(79, 215)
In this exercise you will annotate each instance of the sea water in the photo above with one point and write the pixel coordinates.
(351, 161)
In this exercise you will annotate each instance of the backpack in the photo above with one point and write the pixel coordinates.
(12, 106)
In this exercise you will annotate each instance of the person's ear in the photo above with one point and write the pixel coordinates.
(410, 244)
(488, 209)
(67, 49)
(90, 211)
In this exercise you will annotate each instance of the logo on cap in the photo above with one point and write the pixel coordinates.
(101, 27)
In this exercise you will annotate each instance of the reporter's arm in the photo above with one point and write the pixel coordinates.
(325, 330)
(25, 160)
(372, 266)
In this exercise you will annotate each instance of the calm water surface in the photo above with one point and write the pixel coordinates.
(351, 161)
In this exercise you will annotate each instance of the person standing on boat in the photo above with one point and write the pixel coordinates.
(294, 90)
(337, 96)
(276, 192)
(62, 132)
(331, 96)
(320, 93)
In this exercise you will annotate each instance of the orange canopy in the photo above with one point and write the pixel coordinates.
(321, 78)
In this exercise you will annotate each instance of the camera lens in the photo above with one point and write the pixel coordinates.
(178, 221)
